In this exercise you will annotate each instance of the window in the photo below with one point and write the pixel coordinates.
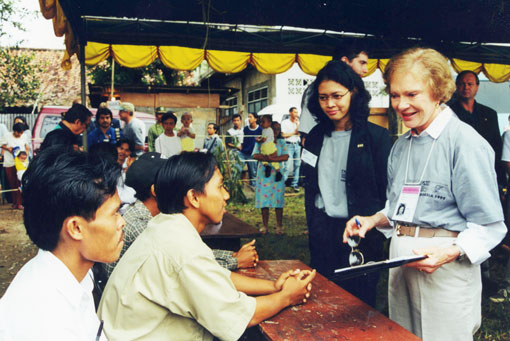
(49, 123)
(232, 103)
(257, 99)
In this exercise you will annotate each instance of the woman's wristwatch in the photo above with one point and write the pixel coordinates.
(462, 254)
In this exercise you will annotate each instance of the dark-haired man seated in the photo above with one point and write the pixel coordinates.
(168, 286)
(141, 177)
(71, 214)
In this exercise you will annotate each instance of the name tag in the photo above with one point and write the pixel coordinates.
(407, 203)
(309, 158)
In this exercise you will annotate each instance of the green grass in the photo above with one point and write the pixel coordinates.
(294, 245)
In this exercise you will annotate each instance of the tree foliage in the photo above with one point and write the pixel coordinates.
(155, 74)
(231, 166)
(11, 14)
(19, 83)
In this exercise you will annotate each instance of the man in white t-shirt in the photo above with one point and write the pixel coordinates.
(134, 128)
(168, 144)
(291, 134)
(71, 214)
(235, 138)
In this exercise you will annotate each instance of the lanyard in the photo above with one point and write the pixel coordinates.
(424, 168)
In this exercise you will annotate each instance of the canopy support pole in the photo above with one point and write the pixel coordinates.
(83, 75)
(82, 83)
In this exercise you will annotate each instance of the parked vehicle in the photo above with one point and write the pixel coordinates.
(50, 116)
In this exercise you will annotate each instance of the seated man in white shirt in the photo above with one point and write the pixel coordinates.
(168, 286)
(71, 214)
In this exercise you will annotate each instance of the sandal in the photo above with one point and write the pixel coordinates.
(279, 230)
(263, 230)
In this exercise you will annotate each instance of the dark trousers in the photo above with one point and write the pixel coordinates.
(328, 252)
(12, 179)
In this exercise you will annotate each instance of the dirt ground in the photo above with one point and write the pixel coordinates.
(15, 246)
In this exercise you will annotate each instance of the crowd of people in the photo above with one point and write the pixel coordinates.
(435, 192)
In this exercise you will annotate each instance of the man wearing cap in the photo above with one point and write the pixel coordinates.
(134, 128)
(156, 129)
(141, 176)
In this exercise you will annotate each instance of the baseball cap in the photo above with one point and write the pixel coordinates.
(142, 173)
(126, 106)
(160, 110)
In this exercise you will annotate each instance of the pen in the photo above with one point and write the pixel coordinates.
(99, 331)
(357, 222)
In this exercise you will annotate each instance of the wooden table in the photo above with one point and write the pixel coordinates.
(331, 313)
(230, 234)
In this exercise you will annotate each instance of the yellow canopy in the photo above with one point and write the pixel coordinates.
(184, 58)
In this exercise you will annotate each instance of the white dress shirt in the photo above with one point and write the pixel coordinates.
(46, 302)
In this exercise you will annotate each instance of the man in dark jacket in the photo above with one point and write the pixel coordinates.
(68, 131)
(482, 118)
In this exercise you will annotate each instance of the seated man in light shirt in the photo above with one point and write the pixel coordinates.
(71, 214)
(168, 286)
(140, 177)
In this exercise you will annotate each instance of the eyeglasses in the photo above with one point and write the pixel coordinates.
(336, 96)
(355, 257)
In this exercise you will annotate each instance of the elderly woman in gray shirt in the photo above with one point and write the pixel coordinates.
(442, 171)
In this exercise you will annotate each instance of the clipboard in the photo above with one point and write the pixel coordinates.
(360, 270)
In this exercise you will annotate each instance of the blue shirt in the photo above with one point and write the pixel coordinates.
(97, 136)
(249, 139)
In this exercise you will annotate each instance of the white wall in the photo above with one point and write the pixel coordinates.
(290, 86)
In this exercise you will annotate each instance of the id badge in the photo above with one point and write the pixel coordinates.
(406, 204)
(309, 158)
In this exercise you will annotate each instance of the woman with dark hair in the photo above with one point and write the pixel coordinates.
(344, 163)
(12, 144)
(27, 134)
(269, 191)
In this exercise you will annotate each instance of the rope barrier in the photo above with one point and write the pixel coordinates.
(9, 190)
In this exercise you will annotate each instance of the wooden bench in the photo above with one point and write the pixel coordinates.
(230, 234)
(330, 314)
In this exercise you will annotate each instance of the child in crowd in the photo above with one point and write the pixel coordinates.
(268, 147)
(125, 150)
(21, 164)
(167, 143)
(187, 133)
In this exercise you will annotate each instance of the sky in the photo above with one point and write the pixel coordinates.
(39, 31)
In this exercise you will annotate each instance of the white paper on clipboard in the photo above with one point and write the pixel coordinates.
(360, 270)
